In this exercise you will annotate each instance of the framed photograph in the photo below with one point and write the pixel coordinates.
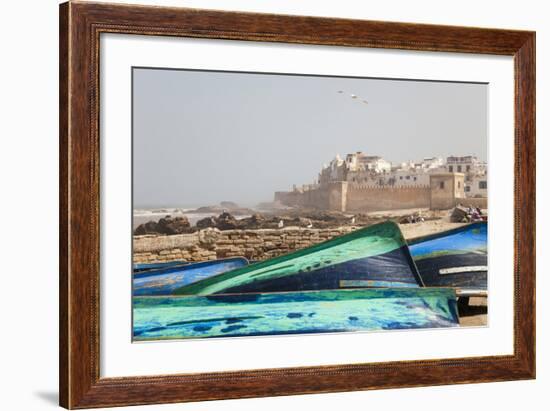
(259, 205)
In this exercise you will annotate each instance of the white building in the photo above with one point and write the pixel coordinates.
(465, 164)
(432, 163)
(409, 177)
(374, 170)
(475, 174)
(475, 186)
(361, 162)
(411, 173)
(357, 167)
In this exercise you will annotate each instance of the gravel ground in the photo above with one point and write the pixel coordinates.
(427, 227)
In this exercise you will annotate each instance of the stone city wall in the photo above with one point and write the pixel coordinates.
(368, 198)
(212, 244)
(444, 192)
(356, 197)
(314, 198)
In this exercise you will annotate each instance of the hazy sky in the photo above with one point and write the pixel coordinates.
(204, 137)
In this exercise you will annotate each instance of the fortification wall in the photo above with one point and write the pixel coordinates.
(371, 198)
(212, 244)
(314, 198)
(366, 197)
(344, 196)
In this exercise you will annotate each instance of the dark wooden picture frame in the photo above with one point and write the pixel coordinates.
(80, 27)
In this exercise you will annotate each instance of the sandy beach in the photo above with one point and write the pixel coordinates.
(476, 313)
(427, 227)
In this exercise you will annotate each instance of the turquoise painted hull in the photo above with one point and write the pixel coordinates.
(183, 317)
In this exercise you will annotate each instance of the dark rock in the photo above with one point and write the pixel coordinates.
(146, 228)
(177, 225)
(166, 225)
(227, 222)
(257, 218)
(459, 215)
(207, 222)
(252, 222)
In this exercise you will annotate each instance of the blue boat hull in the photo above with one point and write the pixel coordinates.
(140, 267)
(392, 269)
(456, 258)
(165, 281)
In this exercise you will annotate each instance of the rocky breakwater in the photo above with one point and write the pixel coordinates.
(227, 221)
(167, 225)
(213, 243)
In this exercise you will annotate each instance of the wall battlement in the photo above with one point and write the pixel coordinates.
(444, 191)
(369, 186)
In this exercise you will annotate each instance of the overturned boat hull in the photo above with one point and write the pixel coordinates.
(455, 258)
(377, 254)
(140, 267)
(231, 315)
(164, 281)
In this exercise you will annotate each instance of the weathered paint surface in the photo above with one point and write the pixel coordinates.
(156, 266)
(165, 281)
(377, 253)
(180, 317)
(440, 257)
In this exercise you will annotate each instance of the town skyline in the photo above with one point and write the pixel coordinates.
(412, 165)
(474, 169)
(194, 145)
(373, 170)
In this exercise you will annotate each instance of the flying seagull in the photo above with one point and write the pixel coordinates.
(354, 96)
